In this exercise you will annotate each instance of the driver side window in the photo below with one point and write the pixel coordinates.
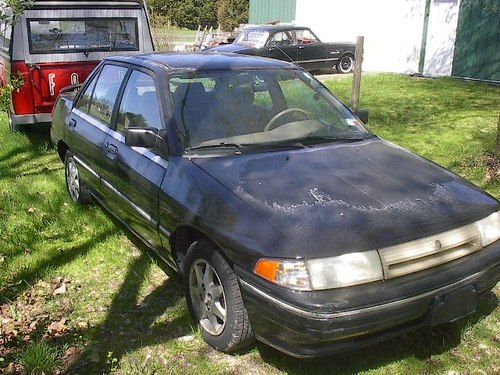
(139, 107)
(305, 37)
(280, 39)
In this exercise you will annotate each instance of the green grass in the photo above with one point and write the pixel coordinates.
(121, 314)
(39, 358)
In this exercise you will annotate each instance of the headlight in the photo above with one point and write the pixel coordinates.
(289, 273)
(324, 273)
(489, 227)
(345, 270)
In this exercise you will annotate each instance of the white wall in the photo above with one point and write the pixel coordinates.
(392, 30)
(443, 20)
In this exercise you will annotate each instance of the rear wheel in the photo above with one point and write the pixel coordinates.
(214, 298)
(77, 190)
(346, 64)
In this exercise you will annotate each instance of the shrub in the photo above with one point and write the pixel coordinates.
(39, 358)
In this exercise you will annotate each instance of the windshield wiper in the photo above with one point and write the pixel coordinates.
(215, 145)
(332, 139)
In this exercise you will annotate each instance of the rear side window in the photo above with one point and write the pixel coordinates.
(82, 35)
(105, 92)
(84, 102)
(139, 107)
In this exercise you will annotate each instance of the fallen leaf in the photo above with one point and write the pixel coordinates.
(31, 210)
(58, 327)
(61, 290)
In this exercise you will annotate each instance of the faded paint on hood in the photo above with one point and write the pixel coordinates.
(350, 197)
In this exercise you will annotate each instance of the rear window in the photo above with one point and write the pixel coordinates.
(82, 35)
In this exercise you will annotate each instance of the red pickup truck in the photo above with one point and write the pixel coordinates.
(55, 44)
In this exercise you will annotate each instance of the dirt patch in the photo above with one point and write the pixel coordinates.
(492, 164)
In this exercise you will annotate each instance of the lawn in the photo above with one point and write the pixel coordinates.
(78, 294)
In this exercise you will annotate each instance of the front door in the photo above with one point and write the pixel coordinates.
(135, 174)
(310, 51)
(280, 46)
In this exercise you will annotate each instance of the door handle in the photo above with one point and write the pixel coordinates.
(301, 47)
(111, 149)
(72, 123)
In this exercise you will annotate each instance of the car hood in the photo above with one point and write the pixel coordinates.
(349, 197)
(234, 48)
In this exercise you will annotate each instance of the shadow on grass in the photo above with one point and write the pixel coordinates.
(24, 279)
(131, 324)
(420, 344)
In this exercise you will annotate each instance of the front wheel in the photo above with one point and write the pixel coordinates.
(214, 299)
(77, 190)
(346, 64)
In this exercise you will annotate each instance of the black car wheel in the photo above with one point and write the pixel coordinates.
(346, 64)
(77, 190)
(214, 298)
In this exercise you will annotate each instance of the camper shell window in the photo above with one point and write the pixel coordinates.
(66, 35)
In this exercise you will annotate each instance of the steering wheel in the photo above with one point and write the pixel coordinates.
(272, 122)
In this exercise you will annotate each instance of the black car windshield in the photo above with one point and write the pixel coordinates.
(260, 107)
(252, 38)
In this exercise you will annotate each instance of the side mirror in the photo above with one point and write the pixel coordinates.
(142, 137)
(363, 115)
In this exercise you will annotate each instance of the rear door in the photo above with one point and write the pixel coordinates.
(89, 121)
(135, 174)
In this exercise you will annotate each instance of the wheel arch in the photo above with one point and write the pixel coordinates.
(183, 237)
(62, 148)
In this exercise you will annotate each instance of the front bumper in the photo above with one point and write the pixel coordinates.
(306, 331)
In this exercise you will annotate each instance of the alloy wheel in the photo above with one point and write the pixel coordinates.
(207, 296)
(73, 179)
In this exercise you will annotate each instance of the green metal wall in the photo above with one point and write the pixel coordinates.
(263, 11)
(477, 45)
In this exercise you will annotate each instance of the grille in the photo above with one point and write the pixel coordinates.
(430, 251)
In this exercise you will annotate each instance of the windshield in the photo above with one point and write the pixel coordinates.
(261, 107)
(82, 34)
(252, 38)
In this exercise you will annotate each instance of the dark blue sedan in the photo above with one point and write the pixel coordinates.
(289, 221)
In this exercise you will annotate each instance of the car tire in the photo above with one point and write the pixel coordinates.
(214, 299)
(77, 190)
(346, 64)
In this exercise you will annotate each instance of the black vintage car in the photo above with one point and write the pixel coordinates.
(288, 220)
(294, 44)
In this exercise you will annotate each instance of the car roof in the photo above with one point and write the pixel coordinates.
(202, 61)
(275, 27)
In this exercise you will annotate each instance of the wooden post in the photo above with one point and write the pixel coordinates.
(356, 78)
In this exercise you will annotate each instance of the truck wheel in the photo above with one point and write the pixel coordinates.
(346, 64)
(214, 299)
(77, 190)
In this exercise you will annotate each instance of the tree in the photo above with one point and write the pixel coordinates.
(185, 13)
(231, 13)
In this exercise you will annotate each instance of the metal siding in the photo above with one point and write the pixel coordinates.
(477, 52)
(263, 11)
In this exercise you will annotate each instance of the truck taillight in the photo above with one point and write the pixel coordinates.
(22, 98)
